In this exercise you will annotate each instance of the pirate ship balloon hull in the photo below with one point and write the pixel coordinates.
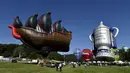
(42, 41)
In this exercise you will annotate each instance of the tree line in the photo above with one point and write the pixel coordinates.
(22, 51)
(124, 54)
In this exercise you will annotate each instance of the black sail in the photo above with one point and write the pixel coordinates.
(57, 26)
(45, 22)
(17, 23)
(64, 30)
(32, 21)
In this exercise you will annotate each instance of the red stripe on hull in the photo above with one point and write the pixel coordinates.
(14, 32)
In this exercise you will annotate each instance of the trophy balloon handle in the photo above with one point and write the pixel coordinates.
(117, 31)
(90, 37)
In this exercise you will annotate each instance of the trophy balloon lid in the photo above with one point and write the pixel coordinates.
(101, 25)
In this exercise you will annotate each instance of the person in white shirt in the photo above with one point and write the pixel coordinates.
(60, 66)
(85, 65)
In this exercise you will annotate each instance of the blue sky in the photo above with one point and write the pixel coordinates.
(79, 16)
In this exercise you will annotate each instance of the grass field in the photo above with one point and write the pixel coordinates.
(7, 67)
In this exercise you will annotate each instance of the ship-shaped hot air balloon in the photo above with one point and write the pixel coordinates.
(41, 34)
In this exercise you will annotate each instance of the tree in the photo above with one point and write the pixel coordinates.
(6, 54)
(2, 49)
(128, 54)
(55, 56)
(122, 54)
(7, 47)
(33, 55)
(70, 57)
(19, 51)
(39, 56)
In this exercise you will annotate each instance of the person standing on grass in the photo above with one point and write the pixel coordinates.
(40, 62)
(85, 65)
(73, 65)
(60, 66)
(56, 65)
(79, 64)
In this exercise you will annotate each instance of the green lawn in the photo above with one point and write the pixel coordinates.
(7, 67)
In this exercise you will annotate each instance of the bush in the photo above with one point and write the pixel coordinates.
(39, 56)
(55, 56)
(33, 55)
(6, 54)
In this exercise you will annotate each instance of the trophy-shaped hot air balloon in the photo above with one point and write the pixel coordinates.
(41, 34)
(103, 39)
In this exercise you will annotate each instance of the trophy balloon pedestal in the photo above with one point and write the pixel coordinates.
(105, 56)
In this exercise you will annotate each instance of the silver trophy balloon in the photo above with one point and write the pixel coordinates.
(103, 39)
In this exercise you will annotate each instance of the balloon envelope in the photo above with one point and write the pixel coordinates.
(39, 34)
(78, 54)
(87, 54)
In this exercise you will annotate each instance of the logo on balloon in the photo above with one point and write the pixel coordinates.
(87, 54)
